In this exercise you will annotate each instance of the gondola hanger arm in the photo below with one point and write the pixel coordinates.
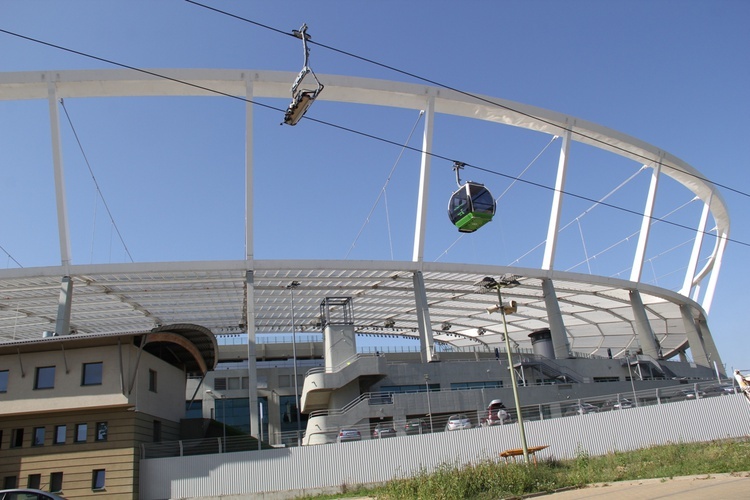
(457, 166)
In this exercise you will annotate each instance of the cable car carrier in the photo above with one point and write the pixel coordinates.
(302, 98)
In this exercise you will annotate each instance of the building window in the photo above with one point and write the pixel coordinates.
(101, 431)
(3, 380)
(152, 380)
(10, 482)
(157, 431)
(60, 431)
(16, 438)
(38, 439)
(92, 374)
(55, 482)
(34, 481)
(81, 431)
(97, 479)
(193, 409)
(220, 384)
(45, 377)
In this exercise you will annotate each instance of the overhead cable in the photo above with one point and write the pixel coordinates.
(468, 94)
(350, 130)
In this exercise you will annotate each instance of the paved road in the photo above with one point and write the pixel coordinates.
(712, 486)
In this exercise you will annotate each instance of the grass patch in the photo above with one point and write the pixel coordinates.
(491, 480)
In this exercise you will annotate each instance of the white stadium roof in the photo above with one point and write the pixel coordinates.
(597, 311)
(135, 297)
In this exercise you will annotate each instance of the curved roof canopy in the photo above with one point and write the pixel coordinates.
(139, 297)
(192, 348)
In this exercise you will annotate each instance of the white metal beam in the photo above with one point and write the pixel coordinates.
(57, 163)
(424, 182)
(708, 298)
(550, 247)
(648, 213)
(695, 255)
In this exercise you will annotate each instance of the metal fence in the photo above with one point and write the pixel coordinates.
(289, 472)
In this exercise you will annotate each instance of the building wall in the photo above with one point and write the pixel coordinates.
(68, 391)
(332, 467)
(168, 400)
(151, 411)
(117, 453)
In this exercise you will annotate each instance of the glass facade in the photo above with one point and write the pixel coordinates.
(289, 424)
(234, 412)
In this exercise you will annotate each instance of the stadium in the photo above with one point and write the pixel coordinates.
(543, 313)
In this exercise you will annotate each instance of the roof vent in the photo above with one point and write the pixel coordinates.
(47, 334)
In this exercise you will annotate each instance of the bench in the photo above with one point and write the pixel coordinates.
(518, 452)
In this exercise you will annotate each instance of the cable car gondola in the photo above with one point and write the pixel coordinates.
(472, 206)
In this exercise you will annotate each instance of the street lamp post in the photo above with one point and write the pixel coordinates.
(223, 418)
(291, 287)
(260, 404)
(429, 409)
(509, 282)
(632, 384)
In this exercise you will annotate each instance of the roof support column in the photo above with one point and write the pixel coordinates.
(712, 354)
(57, 162)
(64, 304)
(554, 317)
(648, 212)
(642, 326)
(695, 255)
(708, 298)
(424, 181)
(694, 336)
(249, 252)
(426, 342)
(554, 218)
(252, 370)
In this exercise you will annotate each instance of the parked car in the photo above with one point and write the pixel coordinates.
(582, 409)
(615, 404)
(28, 494)
(720, 390)
(383, 431)
(622, 404)
(458, 422)
(692, 394)
(416, 426)
(349, 434)
(497, 413)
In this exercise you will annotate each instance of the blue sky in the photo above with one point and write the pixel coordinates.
(671, 73)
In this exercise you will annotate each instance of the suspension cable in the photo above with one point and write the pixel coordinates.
(10, 256)
(382, 190)
(96, 183)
